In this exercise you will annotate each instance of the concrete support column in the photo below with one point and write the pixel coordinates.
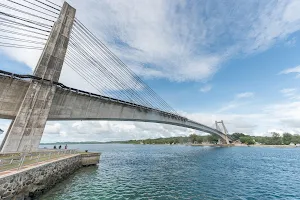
(27, 129)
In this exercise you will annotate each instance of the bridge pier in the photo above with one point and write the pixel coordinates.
(27, 129)
(223, 141)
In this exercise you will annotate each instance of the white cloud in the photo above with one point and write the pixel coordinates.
(286, 114)
(283, 117)
(53, 128)
(291, 13)
(230, 106)
(244, 95)
(110, 130)
(291, 42)
(189, 49)
(292, 70)
(240, 99)
(206, 88)
(280, 118)
(170, 39)
(175, 40)
(290, 93)
(275, 22)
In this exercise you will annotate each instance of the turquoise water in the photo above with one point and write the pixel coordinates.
(184, 172)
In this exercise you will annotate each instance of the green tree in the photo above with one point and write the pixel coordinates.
(247, 140)
(193, 138)
(199, 139)
(213, 139)
(236, 136)
(260, 139)
(296, 139)
(276, 139)
(287, 138)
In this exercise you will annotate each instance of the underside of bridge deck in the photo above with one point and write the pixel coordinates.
(71, 104)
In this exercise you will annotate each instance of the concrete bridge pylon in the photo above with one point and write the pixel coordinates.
(26, 129)
(220, 126)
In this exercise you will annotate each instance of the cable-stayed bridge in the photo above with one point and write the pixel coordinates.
(31, 100)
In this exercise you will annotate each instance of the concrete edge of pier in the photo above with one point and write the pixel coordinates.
(34, 180)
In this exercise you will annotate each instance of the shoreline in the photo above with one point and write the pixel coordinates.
(275, 146)
(208, 145)
(245, 145)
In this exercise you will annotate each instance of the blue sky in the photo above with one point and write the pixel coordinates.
(210, 60)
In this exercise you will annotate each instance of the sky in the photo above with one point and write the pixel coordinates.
(210, 60)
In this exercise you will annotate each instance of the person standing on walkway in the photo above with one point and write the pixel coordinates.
(66, 147)
(59, 147)
(54, 147)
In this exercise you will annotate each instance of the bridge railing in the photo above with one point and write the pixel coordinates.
(17, 161)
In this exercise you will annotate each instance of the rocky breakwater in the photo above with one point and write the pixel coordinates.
(34, 180)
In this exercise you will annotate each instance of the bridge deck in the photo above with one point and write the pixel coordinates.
(73, 104)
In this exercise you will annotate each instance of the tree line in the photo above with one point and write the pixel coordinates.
(275, 139)
(193, 138)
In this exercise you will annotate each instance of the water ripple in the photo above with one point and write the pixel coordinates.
(183, 172)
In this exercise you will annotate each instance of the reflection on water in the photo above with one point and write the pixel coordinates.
(184, 172)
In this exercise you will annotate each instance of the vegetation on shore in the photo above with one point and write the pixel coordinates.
(275, 139)
(193, 138)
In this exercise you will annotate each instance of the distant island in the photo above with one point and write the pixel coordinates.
(238, 138)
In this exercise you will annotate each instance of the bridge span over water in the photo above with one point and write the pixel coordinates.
(31, 100)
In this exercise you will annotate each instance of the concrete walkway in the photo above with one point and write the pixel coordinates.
(28, 166)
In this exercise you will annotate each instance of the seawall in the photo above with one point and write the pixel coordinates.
(35, 180)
